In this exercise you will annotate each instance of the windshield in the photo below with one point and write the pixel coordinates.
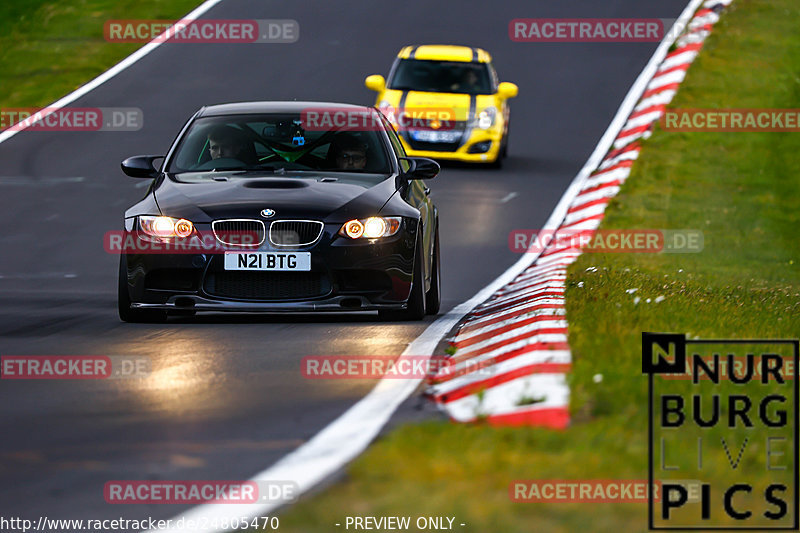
(441, 77)
(279, 142)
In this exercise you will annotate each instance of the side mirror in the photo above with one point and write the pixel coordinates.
(421, 168)
(375, 83)
(141, 166)
(507, 90)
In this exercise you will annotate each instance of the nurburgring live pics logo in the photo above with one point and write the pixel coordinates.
(735, 433)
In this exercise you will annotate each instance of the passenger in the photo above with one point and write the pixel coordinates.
(349, 152)
(467, 83)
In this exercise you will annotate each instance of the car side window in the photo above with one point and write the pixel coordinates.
(495, 79)
(398, 146)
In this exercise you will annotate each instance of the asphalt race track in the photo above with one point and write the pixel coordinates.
(226, 398)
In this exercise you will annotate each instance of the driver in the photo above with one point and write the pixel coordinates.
(227, 142)
(349, 152)
(467, 83)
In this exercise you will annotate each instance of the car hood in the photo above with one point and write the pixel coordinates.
(334, 198)
(426, 102)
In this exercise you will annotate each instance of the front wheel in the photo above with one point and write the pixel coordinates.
(433, 298)
(416, 300)
(504, 142)
(126, 314)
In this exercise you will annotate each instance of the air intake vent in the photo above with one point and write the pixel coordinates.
(275, 184)
(294, 232)
(239, 232)
(267, 285)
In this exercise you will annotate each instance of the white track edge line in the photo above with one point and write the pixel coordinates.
(108, 74)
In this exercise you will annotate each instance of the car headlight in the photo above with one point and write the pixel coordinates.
(370, 228)
(164, 228)
(486, 118)
(388, 111)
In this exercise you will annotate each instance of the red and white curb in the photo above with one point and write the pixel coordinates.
(512, 357)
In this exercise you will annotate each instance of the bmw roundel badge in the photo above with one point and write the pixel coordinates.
(267, 213)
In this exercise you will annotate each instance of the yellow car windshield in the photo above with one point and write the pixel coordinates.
(441, 77)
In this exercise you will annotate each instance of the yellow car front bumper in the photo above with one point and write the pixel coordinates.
(463, 151)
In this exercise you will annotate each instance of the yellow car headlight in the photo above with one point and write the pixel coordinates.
(486, 118)
(371, 228)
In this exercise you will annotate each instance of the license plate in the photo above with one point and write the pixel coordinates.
(276, 261)
(436, 136)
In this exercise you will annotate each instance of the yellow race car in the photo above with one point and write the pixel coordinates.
(446, 103)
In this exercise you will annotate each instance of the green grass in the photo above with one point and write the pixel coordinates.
(49, 48)
(742, 191)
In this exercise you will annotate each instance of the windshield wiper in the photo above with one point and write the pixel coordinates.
(251, 170)
(224, 169)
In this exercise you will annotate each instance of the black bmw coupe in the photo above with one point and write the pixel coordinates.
(281, 206)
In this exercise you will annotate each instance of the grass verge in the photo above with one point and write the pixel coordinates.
(741, 191)
(49, 48)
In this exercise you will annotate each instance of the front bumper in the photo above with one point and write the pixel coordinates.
(345, 275)
(336, 303)
(462, 152)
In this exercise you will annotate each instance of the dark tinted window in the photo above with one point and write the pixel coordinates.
(398, 146)
(284, 141)
(441, 77)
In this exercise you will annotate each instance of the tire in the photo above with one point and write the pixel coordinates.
(126, 314)
(433, 298)
(502, 153)
(504, 144)
(416, 300)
